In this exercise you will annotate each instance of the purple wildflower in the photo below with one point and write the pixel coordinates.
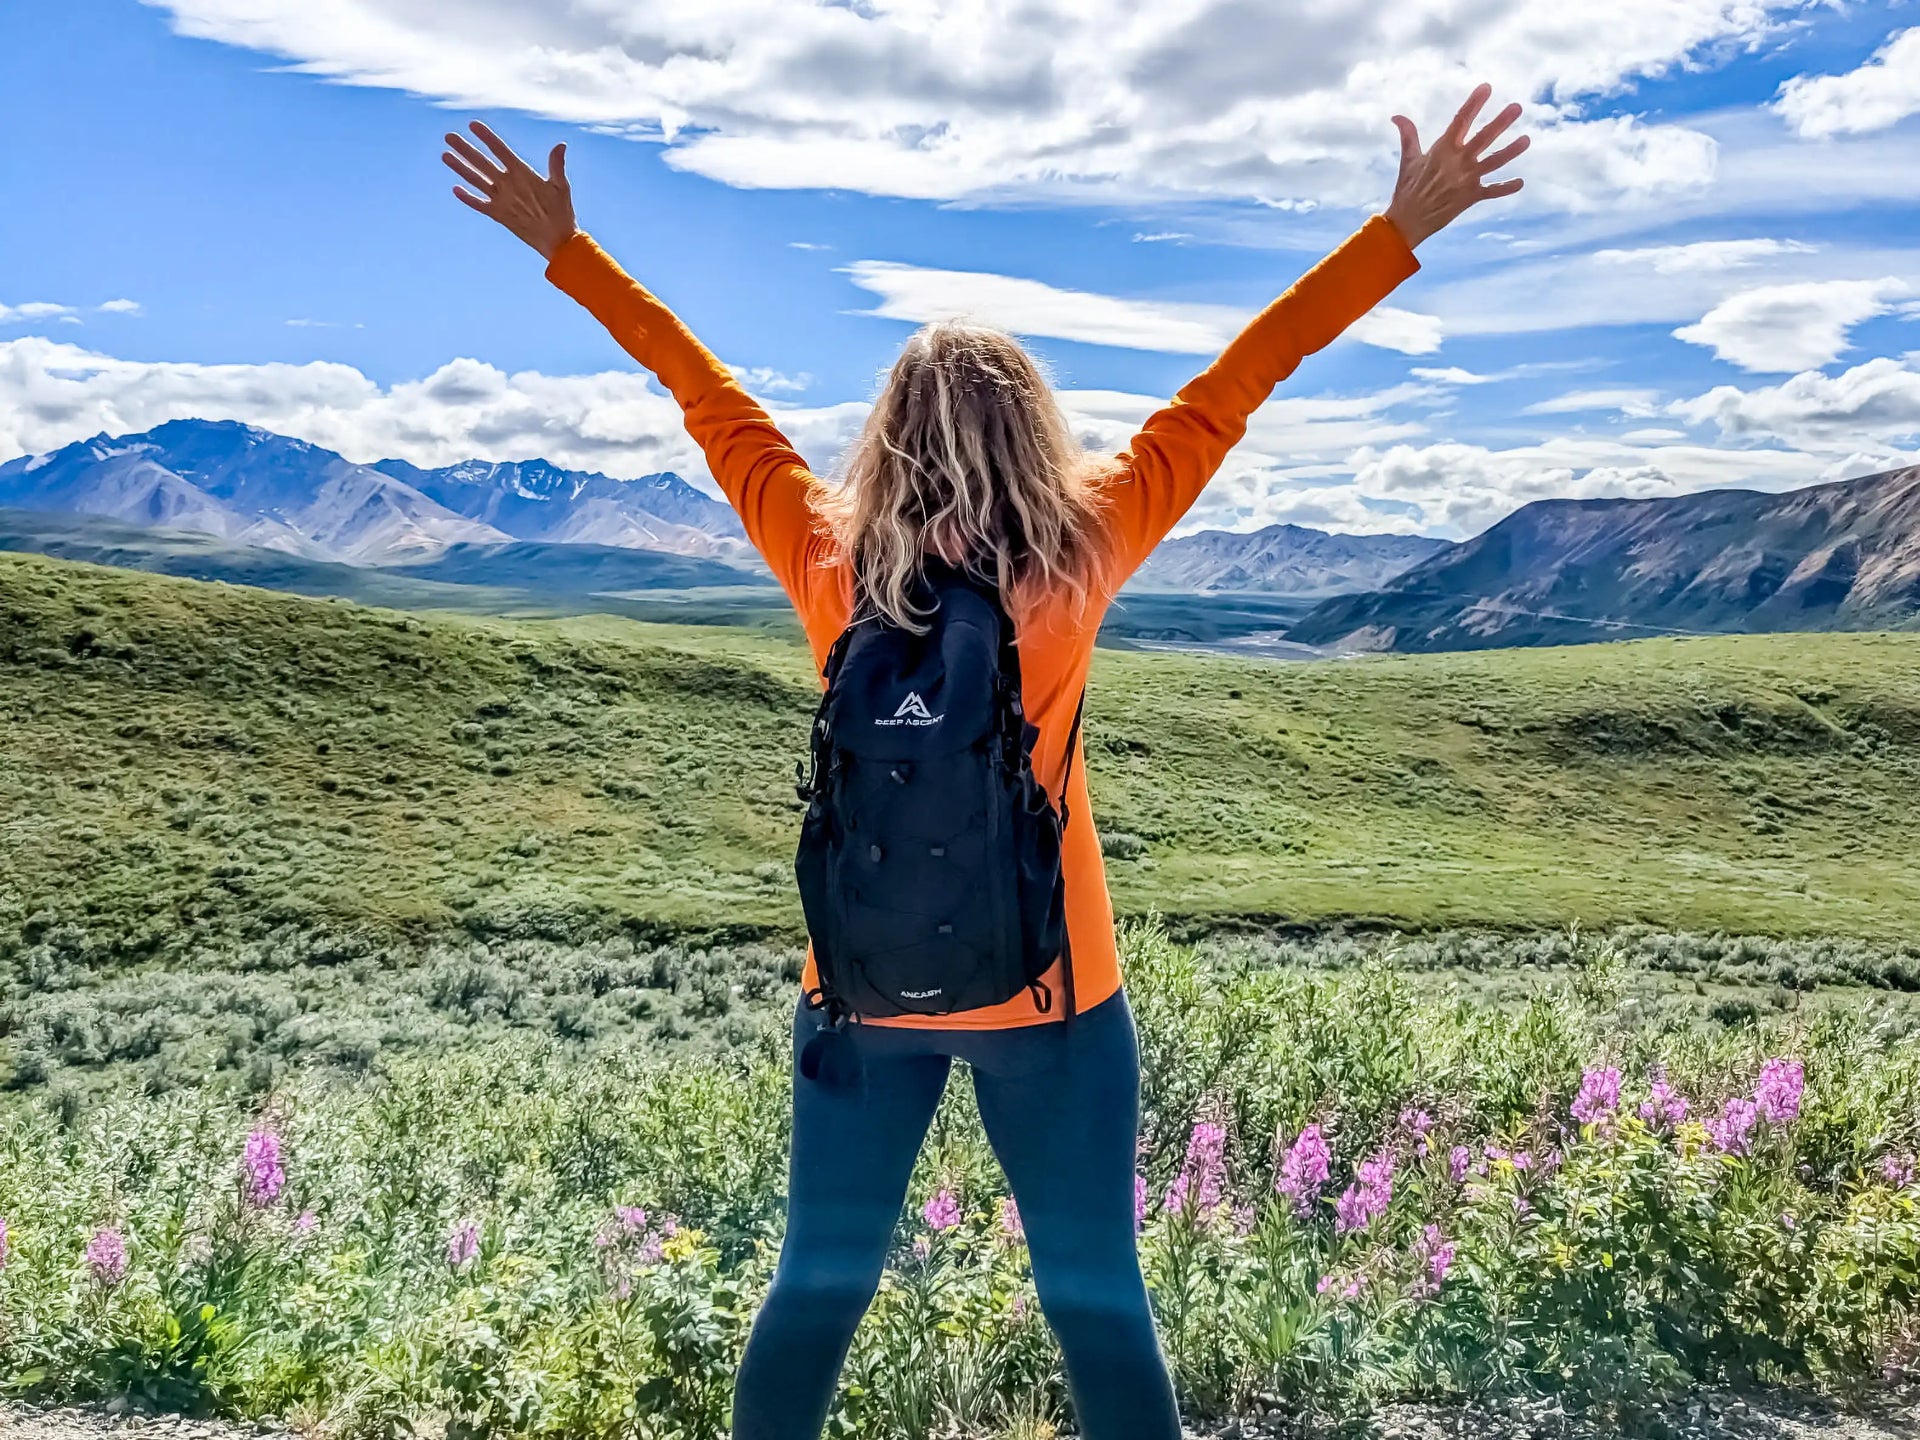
(1244, 1217)
(1777, 1095)
(1139, 1201)
(1664, 1104)
(1012, 1229)
(1435, 1256)
(1458, 1162)
(1305, 1169)
(1324, 1284)
(107, 1255)
(942, 1212)
(1896, 1170)
(1367, 1198)
(1417, 1123)
(463, 1244)
(305, 1223)
(1732, 1130)
(1599, 1096)
(260, 1170)
(922, 1247)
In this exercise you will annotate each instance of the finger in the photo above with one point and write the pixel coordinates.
(1409, 140)
(1464, 117)
(1502, 156)
(1493, 129)
(557, 164)
(470, 153)
(472, 202)
(467, 173)
(502, 151)
(1505, 187)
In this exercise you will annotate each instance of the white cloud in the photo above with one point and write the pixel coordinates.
(1160, 237)
(35, 310)
(1103, 98)
(52, 394)
(1882, 92)
(764, 380)
(806, 245)
(1790, 327)
(1702, 256)
(1626, 401)
(1872, 408)
(918, 295)
(120, 307)
(1450, 375)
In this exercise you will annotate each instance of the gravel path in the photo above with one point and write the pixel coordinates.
(1711, 1417)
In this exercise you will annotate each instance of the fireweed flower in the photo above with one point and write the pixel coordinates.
(1417, 1122)
(305, 1222)
(922, 1247)
(1664, 1104)
(1012, 1230)
(942, 1212)
(1243, 1218)
(1599, 1096)
(260, 1171)
(1434, 1254)
(107, 1256)
(1896, 1170)
(1732, 1130)
(1305, 1169)
(1366, 1200)
(1777, 1095)
(1202, 1173)
(1139, 1201)
(463, 1244)
(1458, 1162)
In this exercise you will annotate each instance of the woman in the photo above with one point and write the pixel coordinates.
(966, 456)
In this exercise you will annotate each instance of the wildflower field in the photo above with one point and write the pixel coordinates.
(1353, 1186)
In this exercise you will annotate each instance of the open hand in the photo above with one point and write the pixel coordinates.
(537, 208)
(1438, 186)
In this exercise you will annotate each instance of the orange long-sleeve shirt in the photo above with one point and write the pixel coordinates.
(1154, 482)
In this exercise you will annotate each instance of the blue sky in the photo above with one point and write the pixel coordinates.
(253, 189)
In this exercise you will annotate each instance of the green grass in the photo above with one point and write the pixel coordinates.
(185, 765)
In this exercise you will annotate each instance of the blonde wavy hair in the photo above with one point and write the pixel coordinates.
(967, 458)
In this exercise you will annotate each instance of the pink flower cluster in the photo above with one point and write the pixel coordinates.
(1599, 1096)
(1305, 1169)
(1012, 1229)
(1435, 1256)
(1775, 1101)
(942, 1212)
(1139, 1202)
(1198, 1185)
(1458, 1163)
(1366, 1200)
(463, 1244)
(262, 1178)
(1664, 1104)
(107, 1256)
(627, 1242)
(1417, 1123)
(1896, 1170)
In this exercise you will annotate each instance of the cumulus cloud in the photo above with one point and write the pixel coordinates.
(1790, 327)
(32, 310)
(919, 294)
(618, 422)
(120, 307)
(1702, 256)
(1103, 98)
(1872, 408)
(1880, 93)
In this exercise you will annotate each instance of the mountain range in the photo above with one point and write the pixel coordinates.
(1283, 559)
(1840, 556)
(253, 487)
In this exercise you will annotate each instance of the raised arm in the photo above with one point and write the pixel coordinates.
(1182, 445)
(767, 483)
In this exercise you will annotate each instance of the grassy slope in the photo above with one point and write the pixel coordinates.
(182, 762)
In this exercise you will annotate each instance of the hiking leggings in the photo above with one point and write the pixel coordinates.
(1062, 1112)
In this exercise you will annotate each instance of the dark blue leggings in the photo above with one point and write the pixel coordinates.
(1062, 1112)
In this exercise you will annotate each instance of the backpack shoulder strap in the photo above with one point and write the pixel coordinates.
(1073, 744)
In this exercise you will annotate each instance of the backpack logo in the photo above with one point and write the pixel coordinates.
(913, 711)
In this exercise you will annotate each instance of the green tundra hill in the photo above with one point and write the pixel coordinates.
(186, 766)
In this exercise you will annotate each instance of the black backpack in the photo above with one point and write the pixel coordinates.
(929, 859)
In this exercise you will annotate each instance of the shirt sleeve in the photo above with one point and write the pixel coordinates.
(765, 480)
(1162, 472)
